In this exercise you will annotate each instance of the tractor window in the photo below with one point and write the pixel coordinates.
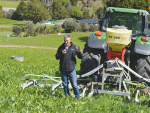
(131, 21)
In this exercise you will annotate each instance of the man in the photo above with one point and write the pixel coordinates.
(66, 53)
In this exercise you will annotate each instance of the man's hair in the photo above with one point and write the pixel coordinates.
(67, 36)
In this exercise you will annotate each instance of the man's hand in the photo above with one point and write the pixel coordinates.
(64, 51)
(79, 49)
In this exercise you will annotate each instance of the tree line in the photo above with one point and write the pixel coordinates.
(69, 26)
(38, 10)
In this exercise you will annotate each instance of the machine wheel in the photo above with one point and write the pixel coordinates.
(143, 67)
(90, 60)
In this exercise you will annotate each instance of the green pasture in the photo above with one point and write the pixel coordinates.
(4, 33)
(5, 28)
(35, 99)
(9, 4)
(51, 40)
(9, 22)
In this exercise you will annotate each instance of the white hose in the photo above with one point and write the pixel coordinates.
(136, 74)
(92, 71)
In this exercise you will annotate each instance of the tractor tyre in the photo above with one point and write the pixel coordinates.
(91, 59)
(142, 67)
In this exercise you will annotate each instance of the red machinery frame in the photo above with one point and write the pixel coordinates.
(115, 54)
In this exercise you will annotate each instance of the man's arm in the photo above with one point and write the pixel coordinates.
(59, 53)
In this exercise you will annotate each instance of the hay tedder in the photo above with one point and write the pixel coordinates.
(118, 55)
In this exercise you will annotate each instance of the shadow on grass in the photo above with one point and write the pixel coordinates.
(57, 73)
(83, 39)
(78, 72)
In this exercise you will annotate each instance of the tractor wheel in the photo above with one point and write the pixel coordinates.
(91, 59)
(143, 67)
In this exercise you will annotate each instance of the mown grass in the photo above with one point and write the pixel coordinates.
(9, 22)
(5, 28)
(35, 99)
(46, 40)
(9, 4)
(4, 33)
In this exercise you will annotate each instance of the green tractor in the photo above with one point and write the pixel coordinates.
(135, 52)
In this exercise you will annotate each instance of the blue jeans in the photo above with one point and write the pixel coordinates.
(71, 75)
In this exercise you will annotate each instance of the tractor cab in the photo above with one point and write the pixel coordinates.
(133, 19)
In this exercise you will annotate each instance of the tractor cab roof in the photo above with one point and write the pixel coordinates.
(126, 10)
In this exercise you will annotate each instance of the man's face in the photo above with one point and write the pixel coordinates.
(67, 41)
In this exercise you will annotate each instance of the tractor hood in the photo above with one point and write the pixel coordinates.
(96, 43)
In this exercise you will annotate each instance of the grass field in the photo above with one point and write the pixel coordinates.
(45, 41)
(42, 61)
(9, 23)
(9, 4)
(35, 99)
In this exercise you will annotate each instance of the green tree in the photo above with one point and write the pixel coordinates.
(89, 13)
(17, 30)
(100, 12)
(55, 29)
(59, 11)
(104, 3)
(64, 2)
(80, 5)
(86, 14)
(64, 13)
(134, 4)
(74, 2)
(42, 29)
(76, 13)
(69, 26)
(141, 4)
(90, 3)
(37, 11)
(114, 3)
(96, 5)
(68, 7)
(84, 27)
(21, 11)
(30, 28)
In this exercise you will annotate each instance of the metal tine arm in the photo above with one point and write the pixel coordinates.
(82, 94)
(55, 86)
(44, 76)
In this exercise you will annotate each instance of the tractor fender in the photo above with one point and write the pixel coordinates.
(142, 49)
(97, 43)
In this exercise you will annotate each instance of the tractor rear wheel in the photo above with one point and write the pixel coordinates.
(90, 60)
(143, 67)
